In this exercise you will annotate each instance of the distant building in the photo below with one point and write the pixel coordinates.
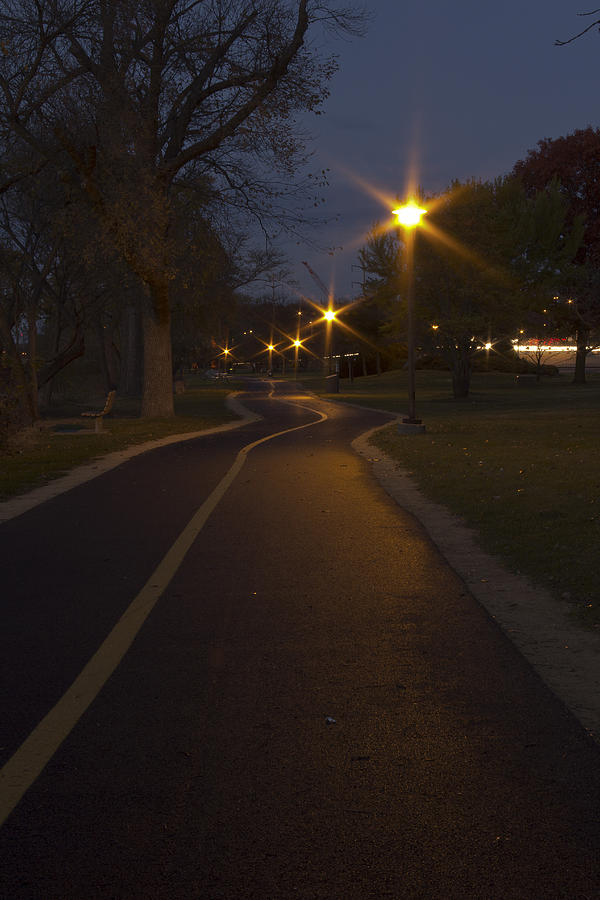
(555, 352)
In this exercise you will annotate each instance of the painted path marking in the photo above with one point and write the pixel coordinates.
(27, 763)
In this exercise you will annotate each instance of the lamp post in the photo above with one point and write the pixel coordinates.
(297, 344)
(270, 348)
(225, 355)
(329, 316)
(409, 218)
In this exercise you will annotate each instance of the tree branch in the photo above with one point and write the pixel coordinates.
(270, 81)
(576, 37)
(177, 123)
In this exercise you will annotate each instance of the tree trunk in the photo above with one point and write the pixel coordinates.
(106, 355)
(46, 384)
(45, 395)
(131, 352)
(157, 392)
(74, 351)
(461, 375)
(20, 383)
(581, 356)
(32, 371)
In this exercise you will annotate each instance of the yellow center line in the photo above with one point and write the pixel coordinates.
(22, 769)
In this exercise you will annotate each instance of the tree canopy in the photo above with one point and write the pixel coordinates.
(573, 163)
(485, 253)
(123, 100)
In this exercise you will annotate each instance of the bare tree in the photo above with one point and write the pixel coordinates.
(125, 98)
(28, 249)
(595, 23)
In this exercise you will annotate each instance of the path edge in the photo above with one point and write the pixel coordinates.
(16, 506)
(566, 657)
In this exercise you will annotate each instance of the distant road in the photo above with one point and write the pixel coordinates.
(244, 672)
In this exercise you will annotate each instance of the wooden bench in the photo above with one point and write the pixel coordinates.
(98, 415)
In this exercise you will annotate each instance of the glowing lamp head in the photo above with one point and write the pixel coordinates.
(270, 347)
(297, 343)
(329, 315)
(409, 216)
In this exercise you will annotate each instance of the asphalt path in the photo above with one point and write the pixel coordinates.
(302, 699)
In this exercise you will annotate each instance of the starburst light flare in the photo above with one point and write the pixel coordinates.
(409, 216)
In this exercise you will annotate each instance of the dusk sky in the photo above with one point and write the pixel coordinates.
(464, 88)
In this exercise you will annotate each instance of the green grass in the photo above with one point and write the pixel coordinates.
(519, 464)
(45, 454)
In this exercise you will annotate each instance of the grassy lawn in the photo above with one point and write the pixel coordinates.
(47, 453)
(519, 464)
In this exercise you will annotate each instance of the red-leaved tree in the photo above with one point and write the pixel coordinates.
(574, 161)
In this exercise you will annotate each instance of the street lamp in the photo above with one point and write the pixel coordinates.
(409, 218)
(329, 316)
(297, 344)
(226, 354)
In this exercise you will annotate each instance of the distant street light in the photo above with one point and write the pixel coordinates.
(409, 218)
(329, 315)
(297, 344)
(226, 353)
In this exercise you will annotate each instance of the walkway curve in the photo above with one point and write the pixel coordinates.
(566, 657)
(22, 769)
(16, 506)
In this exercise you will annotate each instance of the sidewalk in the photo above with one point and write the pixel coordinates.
(319, 708)
(566, 657)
